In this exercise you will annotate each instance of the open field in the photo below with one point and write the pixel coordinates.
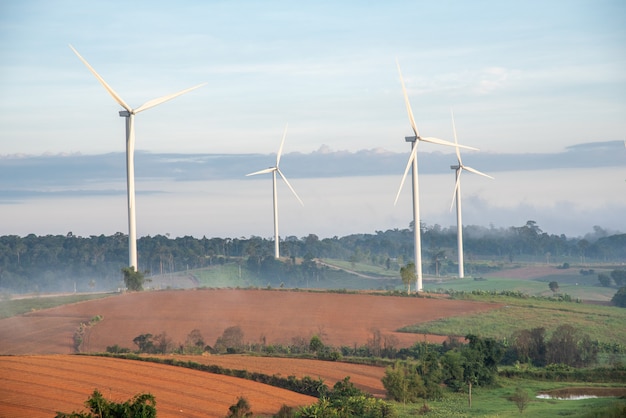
(275, 316)
(39, 386)
(532, 280)
(365, 377)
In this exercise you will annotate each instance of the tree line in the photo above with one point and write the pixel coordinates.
(63, 262)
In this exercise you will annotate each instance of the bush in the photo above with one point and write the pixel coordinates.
(619, 298)
(140, 406)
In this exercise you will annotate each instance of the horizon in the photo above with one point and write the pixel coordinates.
(534, 86)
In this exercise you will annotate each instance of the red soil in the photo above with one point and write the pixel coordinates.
(40, 386)
(275, 316)
(366, 378)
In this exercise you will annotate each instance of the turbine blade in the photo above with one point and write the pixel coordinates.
(290, 188)
(108, 88)
(408, 104)
(406, 171)
(280, 149)
(267, 170)
(473, 170)
(456, 188)
(155, 102)
(444, 142)
(456, 142)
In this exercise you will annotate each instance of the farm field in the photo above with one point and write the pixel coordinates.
(365, 377)
(40, 386)
(270, 315)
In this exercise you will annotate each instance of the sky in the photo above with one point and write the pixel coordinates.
(533, 77)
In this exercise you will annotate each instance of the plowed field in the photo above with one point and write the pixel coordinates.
(366, 378)
(275, 317)
(40, 386)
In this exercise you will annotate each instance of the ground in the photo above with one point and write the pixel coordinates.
(270, 315)
(37, 386)
(40, 386)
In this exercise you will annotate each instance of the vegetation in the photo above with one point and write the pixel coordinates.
(65, 262)
(241, 409)
(619, 298)
(140, 406)
(133, 280)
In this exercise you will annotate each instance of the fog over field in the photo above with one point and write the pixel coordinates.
(343, 192)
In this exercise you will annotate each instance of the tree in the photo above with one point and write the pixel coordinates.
(133, 280)
(140, 406)
(194, 343)
(316, 344)
(144, 343)
(521, 399)
(554, 286)
(604, 279)
(240, 410)
(230, 341)
(408, 275)
(403, 383)
(619, 277)
(619, 298)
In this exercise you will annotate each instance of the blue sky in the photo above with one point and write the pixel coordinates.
(531, 77)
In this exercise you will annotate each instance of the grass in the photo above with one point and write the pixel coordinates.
(602, 323)
(575, 285)
(14, 307)
(494, 402)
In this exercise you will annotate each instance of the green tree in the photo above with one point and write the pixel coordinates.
(604, 279)
(403, 383)
(408, 275)
(554, 286)
(619, 298)
(619, 277)
(316, 344)
(140, 406)
(521, 398)
(144, 343)
(133, 280)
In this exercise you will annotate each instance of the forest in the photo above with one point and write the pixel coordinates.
(64, 262)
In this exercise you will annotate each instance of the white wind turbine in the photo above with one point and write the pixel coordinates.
(129, 113)
(275, 170)
(413, 162)
(457, 197)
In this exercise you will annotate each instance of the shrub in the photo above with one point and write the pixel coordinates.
(140, 406)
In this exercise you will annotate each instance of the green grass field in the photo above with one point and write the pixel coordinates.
(602, 323)
(494, 402)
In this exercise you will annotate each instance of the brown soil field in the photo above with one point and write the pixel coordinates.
(40, 386)
(367, 378)
(275, 317)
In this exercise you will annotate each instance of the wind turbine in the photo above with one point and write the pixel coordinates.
(275, 170)
(457, 197)
(129, 113)
(413, 162)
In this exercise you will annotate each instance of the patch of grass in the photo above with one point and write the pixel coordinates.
(226, 275)
(14, 307)
(364, 268)
(494, 402)
(575, 285)
(599, 322)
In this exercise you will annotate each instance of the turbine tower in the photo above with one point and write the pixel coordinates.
(129, 113)
(413, 163)
(457, 197)
(275, 170)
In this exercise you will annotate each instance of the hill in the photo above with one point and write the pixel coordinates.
(274, 316)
